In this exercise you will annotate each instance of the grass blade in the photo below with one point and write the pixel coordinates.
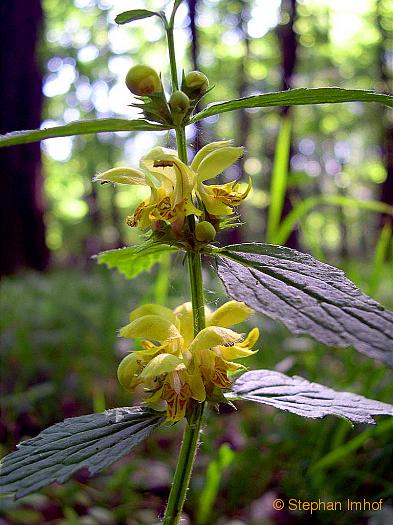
(310, 203)
(279, 179)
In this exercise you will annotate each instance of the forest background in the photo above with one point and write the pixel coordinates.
(60, 310)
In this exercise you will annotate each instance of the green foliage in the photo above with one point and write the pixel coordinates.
(215, 471)
(380, 257)
(93, 442)
(321, 300)
(279, 180)
(60, 328)
(134, 14)
(299, 396)
(133, 260)
(81, 127)
(308, 296)
(333, 458)
(302, 208)
(294, 97)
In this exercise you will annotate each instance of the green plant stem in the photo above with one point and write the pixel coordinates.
(182, 476)
(184, 466)
(181, 144)
(197, 295)
(171, 48)
(181, 479)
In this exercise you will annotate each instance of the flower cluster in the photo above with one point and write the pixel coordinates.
(175, 187)
(174, 366)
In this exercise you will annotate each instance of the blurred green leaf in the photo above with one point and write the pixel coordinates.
(308, 204)
(338, 454)
(94, 441)
(80, 127)
(133, 260)
(295, 97)
(211, 486)
(134, 14)
(31, 396)
(279, 178)
(380, 256)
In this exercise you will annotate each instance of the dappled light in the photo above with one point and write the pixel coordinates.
(198, 208)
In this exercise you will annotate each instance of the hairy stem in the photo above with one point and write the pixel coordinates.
(181, 479)
(185, 462)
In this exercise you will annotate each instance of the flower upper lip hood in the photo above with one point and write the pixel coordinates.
(208, 163)
(173, 365)
(171, 183)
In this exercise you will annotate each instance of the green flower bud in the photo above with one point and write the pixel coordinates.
(143, 80)
(205, 232)
(179, 102)
(195, 84)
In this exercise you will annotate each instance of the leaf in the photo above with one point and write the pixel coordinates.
(308, 296)
(279, 178)
(133, 260)
(381, 255)
(134, 14)
(337, 455)
(306, 205)
(295, 97)
(80, 127)
(299, 396)
(93, 442)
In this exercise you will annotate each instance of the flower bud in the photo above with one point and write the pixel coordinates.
(195, 84)
(179, 102)
(205, 231)
(143, 80)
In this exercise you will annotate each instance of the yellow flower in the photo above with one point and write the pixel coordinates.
(171, 183)
(174, 185)
(176, 367)
(210, 161)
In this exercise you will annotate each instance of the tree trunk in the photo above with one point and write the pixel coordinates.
(235, 236)
(22, 241)
(288, 44)
(387, 130)
(192, 10)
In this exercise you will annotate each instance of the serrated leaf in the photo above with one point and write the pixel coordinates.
(134, 14)
(295, 97)
(308, 296)
(133, 260)
(80, 127)
(94, 442)
(299, 396)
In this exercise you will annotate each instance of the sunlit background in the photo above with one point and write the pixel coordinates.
(333, 151)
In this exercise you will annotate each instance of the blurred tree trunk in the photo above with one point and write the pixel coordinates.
(288, 44)
(22, 241)
(101, 219)
(387, 130)
(192, 11)
(242, 77)
(242, 117)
